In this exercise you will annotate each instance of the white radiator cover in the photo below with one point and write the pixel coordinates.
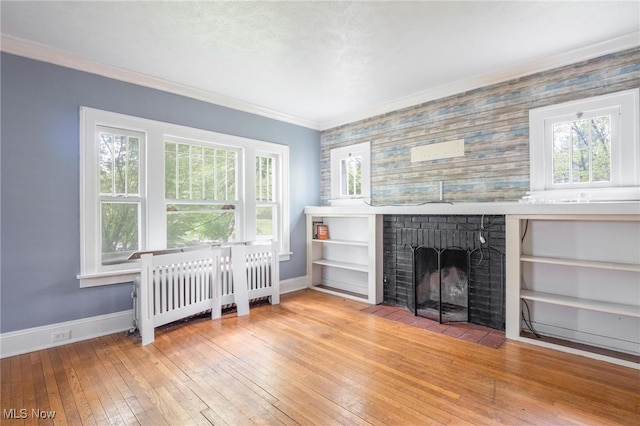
(178, 285)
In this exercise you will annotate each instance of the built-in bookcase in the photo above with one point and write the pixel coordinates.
(347, 262)
(573, 283)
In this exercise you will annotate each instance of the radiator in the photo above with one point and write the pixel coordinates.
(174, 286)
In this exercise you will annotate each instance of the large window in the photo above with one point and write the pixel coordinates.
(586, 150)
(148, 185)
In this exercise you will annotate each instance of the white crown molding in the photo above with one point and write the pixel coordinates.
(43, 53)
(39, 52)
(628, 41)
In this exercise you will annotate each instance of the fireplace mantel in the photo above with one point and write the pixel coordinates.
(499, 208)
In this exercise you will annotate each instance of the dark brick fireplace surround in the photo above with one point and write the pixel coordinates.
(404, 232)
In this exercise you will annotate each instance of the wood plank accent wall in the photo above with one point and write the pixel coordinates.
(492, 120)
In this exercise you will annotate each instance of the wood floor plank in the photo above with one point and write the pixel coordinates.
(114, 385)
(145, 414)
(243, 398)
(28, 389)
(213, 417)
(43, 405)
(171, 382)
(112, 400)
(315, 359)
(149, 380)
(15, 377)
(324, 376)
(98, 401)
(5, 384)
(70, 409)
(359, 363)
(299, 380)
(51, 385)
(219, 406)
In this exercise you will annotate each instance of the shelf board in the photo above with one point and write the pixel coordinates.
(593, 305)
(582, 263)
(343, 265)
(342, 242)
(582, 347)
(333, 290)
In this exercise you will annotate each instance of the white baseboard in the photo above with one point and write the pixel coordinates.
(293, 284)
(37, 338)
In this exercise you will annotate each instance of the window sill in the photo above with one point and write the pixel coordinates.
(585, 195)
(108, 278)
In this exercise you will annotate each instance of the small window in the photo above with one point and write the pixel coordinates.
(266, 200)
(351, 176)
(586, 150)
(582, 148)
(350, 173)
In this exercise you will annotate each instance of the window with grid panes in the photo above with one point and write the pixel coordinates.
(200, 193)
(121, 193)
(266, 201)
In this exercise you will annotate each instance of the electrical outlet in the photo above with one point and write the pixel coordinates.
(59, 336)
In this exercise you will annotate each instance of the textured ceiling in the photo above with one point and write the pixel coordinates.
(325, 63)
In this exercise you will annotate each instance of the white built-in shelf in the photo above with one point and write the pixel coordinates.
(582, 263)
(593, 305)
(343, 242)
(343, 265)
(351, 264)
(577, 237)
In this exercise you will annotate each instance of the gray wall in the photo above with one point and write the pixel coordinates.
(492, 120)
(39, 177)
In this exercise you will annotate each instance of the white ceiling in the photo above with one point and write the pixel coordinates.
(318, 63)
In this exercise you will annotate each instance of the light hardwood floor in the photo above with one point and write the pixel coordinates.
(314, 359)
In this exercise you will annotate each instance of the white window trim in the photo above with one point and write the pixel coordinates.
(625, 156)
(92, 273)
(337, 155)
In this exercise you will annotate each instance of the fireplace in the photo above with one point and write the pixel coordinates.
(447, 268)
(441, 284)
(447, 282)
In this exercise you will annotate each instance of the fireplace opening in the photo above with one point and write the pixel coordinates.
(441, 284)
(458, 285)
